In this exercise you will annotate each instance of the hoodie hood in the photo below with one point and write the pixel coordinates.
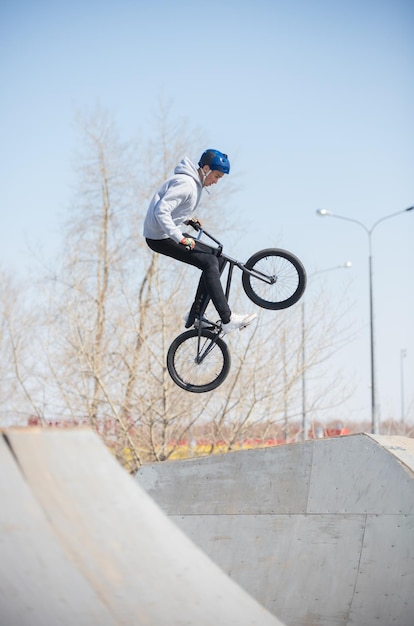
(187, 167)
(173, 203)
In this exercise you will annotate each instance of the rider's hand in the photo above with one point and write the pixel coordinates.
(194, 222)
(188, 243)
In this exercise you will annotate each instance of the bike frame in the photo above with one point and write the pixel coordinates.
(201, 340)
(231, 263)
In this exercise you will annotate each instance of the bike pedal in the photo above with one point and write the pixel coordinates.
(205, 323)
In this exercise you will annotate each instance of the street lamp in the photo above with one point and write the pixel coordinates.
(403, 354)
(345, 265)
(369, 231)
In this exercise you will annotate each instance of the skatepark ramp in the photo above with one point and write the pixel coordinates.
(321, 532)
(82, 544)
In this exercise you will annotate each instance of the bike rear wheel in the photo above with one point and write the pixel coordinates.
(198, 361)
(278, 279)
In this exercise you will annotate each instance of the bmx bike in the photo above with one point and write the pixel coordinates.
(198, 360)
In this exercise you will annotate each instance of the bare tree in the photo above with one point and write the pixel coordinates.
(110, 308)
(18, 337)
(114, 305)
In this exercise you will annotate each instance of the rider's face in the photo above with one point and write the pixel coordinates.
(212, 177)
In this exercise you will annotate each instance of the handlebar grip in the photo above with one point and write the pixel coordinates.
(194, 225)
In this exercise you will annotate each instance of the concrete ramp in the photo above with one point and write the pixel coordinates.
(82, 544)
(320, 532)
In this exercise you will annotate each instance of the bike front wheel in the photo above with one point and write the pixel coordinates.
(275, 279)
(198, 360)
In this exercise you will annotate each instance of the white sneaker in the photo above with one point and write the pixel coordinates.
(237, 322)
(204, 323)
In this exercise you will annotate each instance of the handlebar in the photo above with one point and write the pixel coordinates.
(193, 224)
(201, 232)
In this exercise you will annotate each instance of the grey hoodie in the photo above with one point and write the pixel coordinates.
(173, 203)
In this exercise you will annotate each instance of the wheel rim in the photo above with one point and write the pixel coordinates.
(193, 374)
(286, 279)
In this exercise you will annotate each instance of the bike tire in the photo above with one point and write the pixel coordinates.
(182, 365)
(289, 279)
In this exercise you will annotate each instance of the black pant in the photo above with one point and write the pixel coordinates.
(210, 285)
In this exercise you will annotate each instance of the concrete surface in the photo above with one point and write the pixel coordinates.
(320, 532)
(81, 543)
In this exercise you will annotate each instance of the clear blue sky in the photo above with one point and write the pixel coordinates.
(312, 100)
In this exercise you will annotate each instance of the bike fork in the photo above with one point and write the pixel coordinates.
(204, 350)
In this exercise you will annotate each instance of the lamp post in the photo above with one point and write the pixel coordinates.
(403, 354)
(369, 231)
(345, 265)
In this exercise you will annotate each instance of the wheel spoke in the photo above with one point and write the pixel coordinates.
(285, 279)
(194, 365)
(285, 283)
(198, 362)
